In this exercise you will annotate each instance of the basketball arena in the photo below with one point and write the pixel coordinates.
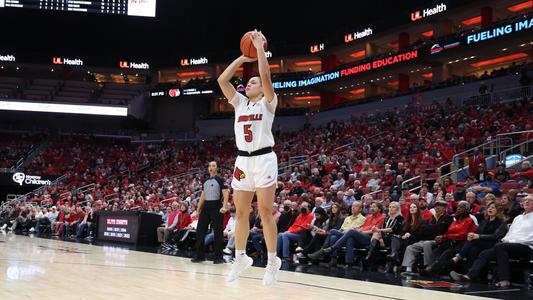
(228, 149)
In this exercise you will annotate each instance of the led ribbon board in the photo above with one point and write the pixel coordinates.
(141, 8)
(64, 108)
(499, 31)
(350, 71)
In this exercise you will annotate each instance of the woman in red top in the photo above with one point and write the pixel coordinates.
(449, 186)
(453, 240)
(184, 217)
(60, 219)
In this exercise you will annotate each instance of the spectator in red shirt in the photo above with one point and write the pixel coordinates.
(70, 220)
(447, 151)
(526, 172)
(453, 240)
(163, 232)
(388, 178)
(474, 161)
(60, 220)
(404, 205)
(472, 200)
(425, 213)
(448, 184)
(303, 221)
(49, 170)
(184, 217)
(492, 228)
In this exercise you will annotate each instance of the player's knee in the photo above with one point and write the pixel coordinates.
(265, 212)
(242, 214)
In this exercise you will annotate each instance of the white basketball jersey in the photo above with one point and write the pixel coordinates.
(253, 122)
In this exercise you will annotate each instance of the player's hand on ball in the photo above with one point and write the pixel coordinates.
(258, 39)
(246, 59)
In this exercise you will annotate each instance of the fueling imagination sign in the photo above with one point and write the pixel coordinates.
(348, 71)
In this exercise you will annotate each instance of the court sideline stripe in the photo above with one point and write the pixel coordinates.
(207, 273)
(493, 291)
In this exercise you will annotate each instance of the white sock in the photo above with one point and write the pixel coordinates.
(271, 257)
(239, 254)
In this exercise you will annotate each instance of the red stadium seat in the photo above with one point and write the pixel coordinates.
(509, 185)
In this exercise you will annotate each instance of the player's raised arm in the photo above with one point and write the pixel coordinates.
(224, 79)
(264, 69)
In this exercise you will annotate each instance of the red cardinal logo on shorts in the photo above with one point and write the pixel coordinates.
(239, 174)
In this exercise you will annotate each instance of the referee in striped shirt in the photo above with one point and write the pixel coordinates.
(211, 209)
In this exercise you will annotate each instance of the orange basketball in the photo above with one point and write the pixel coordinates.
(247, 47)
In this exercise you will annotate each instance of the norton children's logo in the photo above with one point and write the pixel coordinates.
(19, 177)
(239, 174)
(246, 118)
(22, 179)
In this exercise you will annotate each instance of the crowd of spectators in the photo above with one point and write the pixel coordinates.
(13, 147)
(351, 191)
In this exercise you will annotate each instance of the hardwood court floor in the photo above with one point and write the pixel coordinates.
(35, 268)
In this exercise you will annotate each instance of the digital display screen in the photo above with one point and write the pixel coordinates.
(118, 227)
(176, 92)
(65, 108)
(142, 8)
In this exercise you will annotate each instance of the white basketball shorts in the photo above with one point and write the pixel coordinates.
(252, 172)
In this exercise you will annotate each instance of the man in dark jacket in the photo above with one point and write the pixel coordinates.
(287, 217)
(460, 192)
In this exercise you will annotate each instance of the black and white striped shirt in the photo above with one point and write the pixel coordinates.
(213, 188)
(394, 223)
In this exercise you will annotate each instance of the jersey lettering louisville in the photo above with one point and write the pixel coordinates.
(250, 118)
(253, 123)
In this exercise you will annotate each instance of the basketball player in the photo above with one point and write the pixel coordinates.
(256, 166)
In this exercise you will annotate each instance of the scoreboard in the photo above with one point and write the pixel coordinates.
(143, 8)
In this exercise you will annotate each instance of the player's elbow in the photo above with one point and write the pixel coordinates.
(221, 79)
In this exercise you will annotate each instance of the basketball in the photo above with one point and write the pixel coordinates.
(247, 47)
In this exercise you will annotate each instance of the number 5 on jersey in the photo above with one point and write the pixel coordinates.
(248, 134)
